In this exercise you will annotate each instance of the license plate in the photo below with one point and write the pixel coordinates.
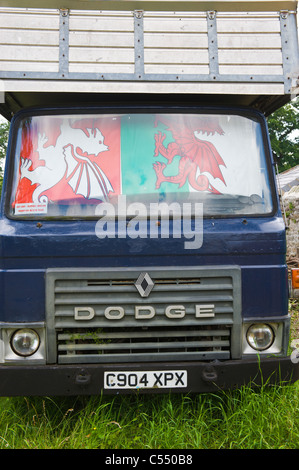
(145, 379)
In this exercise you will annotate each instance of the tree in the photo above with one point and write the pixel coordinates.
(4, 131)
(283, 128)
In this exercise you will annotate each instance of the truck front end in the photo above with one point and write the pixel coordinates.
(142, 248)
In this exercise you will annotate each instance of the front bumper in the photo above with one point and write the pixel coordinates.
(55, 380)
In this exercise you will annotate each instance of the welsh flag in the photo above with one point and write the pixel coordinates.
(139, 136)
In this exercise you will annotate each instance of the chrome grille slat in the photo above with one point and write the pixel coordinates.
(130, 346)
(142, 357)
(125, 298)
(131, 340)
(131, 323)
(101, 300)
(158, 288)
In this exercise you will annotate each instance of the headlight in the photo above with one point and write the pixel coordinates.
(260, 336)
(25, 342)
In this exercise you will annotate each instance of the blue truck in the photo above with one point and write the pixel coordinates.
(142, 242)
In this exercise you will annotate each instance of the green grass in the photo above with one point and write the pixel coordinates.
(265, 418)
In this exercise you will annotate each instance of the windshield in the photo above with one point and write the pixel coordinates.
(66, 165)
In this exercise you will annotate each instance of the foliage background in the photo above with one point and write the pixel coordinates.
(284, 134)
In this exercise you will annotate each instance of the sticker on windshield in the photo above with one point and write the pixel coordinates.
(31, 208)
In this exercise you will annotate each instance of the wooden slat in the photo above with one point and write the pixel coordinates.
(32, 53)
(248, 25)
(32, 21)
(181, 69)
(101, 39)
(251, 70)
(176, 56)
(76, 67)
(101, 55)
(241, 56)
(186, 25)
(249, 41)
(29, 38)
(101, 23)
(29, 66)
(174, 40)
(101, 13)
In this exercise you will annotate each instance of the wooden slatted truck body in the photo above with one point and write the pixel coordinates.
(142, 246)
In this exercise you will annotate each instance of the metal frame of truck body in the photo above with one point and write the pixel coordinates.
(67, 61)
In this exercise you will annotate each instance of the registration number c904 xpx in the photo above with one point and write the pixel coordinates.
(145, 379)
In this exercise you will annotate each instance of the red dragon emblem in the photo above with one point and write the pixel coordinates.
(197, 156)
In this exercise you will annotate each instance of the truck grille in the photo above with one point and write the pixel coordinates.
(105, 339)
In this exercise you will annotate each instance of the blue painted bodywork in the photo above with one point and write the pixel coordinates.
(28, 248)
(27, 251)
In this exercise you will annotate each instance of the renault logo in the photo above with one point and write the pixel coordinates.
(144, 284)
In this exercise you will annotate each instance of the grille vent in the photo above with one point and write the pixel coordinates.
(130, 339)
